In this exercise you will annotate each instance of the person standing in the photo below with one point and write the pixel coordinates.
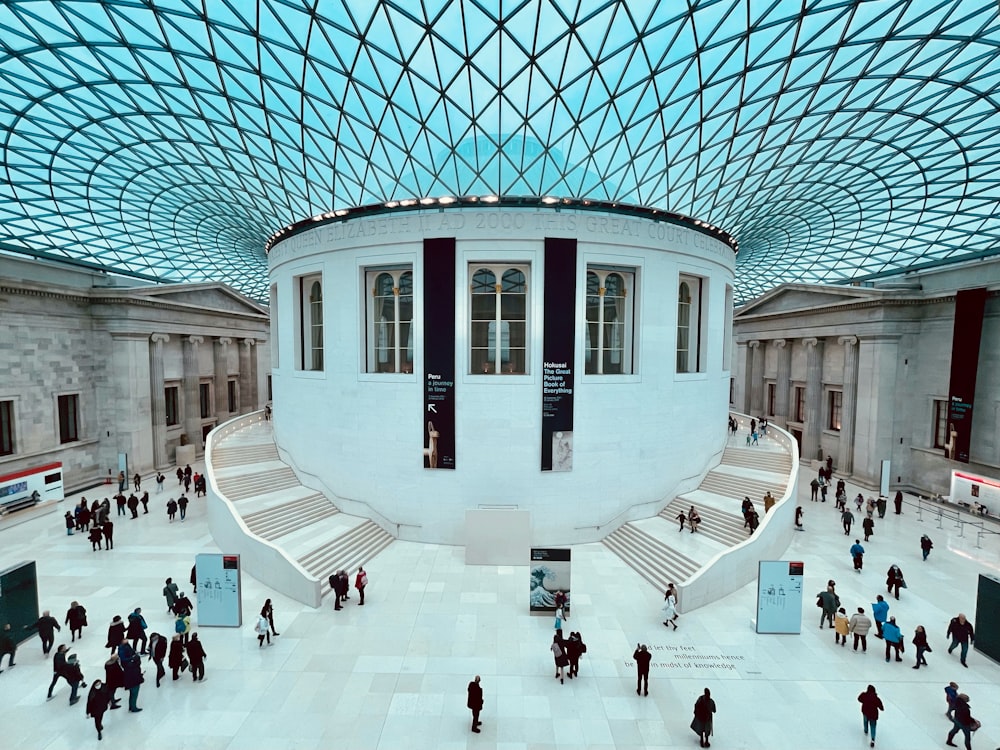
(109, 533)
(893, 639)
(881, 505)
(559, 655)
(475, 703)
(114, 678)
(116, 633)
(962, 634)
(920, 642)
(176, 658)
(58, 668)
(122, 481)
(575, 648)
(798, 519)
(95, 535)
(898, 502)
(642, 658)
(829, 601)
(46, 626)
(267, 612)
(871, 704)
(145, 502)
(136, 482)
(814, 489)
(859, 625)
(857, 555)
(704, 709)
(926, 545)
(196, 656)
(158, 652)
(7, 646)
(133, 506)
(137, 629)
(894, 579)
(841, 627)
(360, 581)
(70, 523)
(76, 618)
(847, 518)
(120, 503)
(160, 479)
(97, 705)
(132, 674)
(170, 594)
(869, 526)
(962, 721)
(880, 611)
(670, 606)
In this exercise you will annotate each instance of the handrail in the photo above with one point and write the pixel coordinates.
(941, 508)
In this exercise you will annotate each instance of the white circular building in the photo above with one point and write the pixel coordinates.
(568, 358)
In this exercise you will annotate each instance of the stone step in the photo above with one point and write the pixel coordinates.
(347, 551)
(716, 524)
(244, 454)
(283, 519)
(249, 485)
(729, 485)
(649, 557)
(751, 458)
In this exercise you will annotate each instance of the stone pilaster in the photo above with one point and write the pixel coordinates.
(248, 384)
(782, 382)
(192, 396)
(757, 349)
(158, 402)
(813, 429)
(220, 362)
(849, 401)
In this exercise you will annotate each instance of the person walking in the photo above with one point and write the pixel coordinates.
(137, 629)
(136, 482)
(880, 611)
(950, 697)
(575, 648)
(160, 479)
(841, 627)
(76, 618)
(894, 580)
(95, 535)
(97, 705)
(681, 518)
(263, 630)
(360, 581)
(898, 502)
(962, 634)
(642, 658)
(114, 678)
(46, 626)
(182, 506)
(926, 545)
(962, 721)
(857, 555)
(880, 505)
(920, 643)
(158, 652)
(145, 502)
(814, 489)
(267, 611)
(132, 674)
(704, 710)
(74, 676)
(171, 509)
(116, 633)
(670, 606)
(70, 522)
(869, 526)
(694, 520)
(475, 702)
(871, 704)
(183, 606)
(798, 519)
(559, 655)
(196, 656)
(893, 639)
(847, 518)
(829, 601)
(58, 668)
(175, 660)
(7, 647)
(170, 594)
(859, 625)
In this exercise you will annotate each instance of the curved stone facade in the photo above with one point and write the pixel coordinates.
(438, 360)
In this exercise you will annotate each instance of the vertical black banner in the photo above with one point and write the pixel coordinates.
(969, 307)
(438, 418)
(559, 332)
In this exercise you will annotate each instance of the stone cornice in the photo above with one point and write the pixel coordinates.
(876, 302)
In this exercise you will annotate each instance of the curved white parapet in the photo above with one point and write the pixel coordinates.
(733, 568)
(263, 560)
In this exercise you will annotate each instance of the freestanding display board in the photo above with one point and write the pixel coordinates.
(19, 599)
(988, 617)
(219, 592)
(550, 572)
(779, 596)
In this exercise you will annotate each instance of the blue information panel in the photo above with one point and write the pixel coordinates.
(219, 592)
(779, 596)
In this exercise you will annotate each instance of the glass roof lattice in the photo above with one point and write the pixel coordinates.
(168, 139)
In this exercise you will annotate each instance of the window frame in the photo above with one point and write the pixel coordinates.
(232, 395)
(205, 398)
(68, 420)
(177, 404)
(499, 269)
(310, 340)
(8, 427)
(770, 396)
(697, 287)
(400, 345)
(834, 409)
(939, 423)
(629, 277)
(799, 401)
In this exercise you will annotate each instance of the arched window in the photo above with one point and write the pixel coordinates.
(608, 349)
(689, 324)
(498, 319)
(316, 325)
(390, 320)
(309, 322)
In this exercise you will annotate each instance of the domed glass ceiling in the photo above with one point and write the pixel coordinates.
(169, 139)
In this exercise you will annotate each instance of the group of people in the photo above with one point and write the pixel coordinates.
(692, 517)
(340, 582)
(566, 653)
(958, 711)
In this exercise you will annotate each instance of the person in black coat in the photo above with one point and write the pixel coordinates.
(76, 618)
(7, 646)
(158, 652)
(116, 633)
(642, 658)
(574, 650)
(475, 703)
(95, 535)
(109, 534)
(132, 669)
(114, 678)
(176, 658)
(137, 629)
(133, 506)
(74, 676)
(58, 668)
(183, 606)
(894, 579)
(196, 656)
(97, 705)
(46, 626)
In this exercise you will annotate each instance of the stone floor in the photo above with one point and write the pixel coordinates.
(394, 673)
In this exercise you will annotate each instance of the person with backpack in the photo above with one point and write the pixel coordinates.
(334, 581)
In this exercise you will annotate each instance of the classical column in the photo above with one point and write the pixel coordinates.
(812, 429)
(782, 381)
(757, 378)
(741, 376)
(220, 364)
(248, 385)
(158, 401)
(192, 393)
(874, 438)
(848, 404)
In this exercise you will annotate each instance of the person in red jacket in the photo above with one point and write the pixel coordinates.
(360, 581)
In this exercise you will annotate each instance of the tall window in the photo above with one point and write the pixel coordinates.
(6, 428)
(689, 320)
(231, 393)
(835, 401)
(69, 418)
(727, 339)
(609, 321)
(940, 423)
(390, 320)
(770, 398)
(205, 398)
(800, 404)
(310, 321)
(273, 313)
(170, 396)
(499, 324)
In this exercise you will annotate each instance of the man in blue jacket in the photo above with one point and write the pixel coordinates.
(880, 611)
(893, 639)
(857, 553)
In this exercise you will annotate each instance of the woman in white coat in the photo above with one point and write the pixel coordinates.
(670, 606)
